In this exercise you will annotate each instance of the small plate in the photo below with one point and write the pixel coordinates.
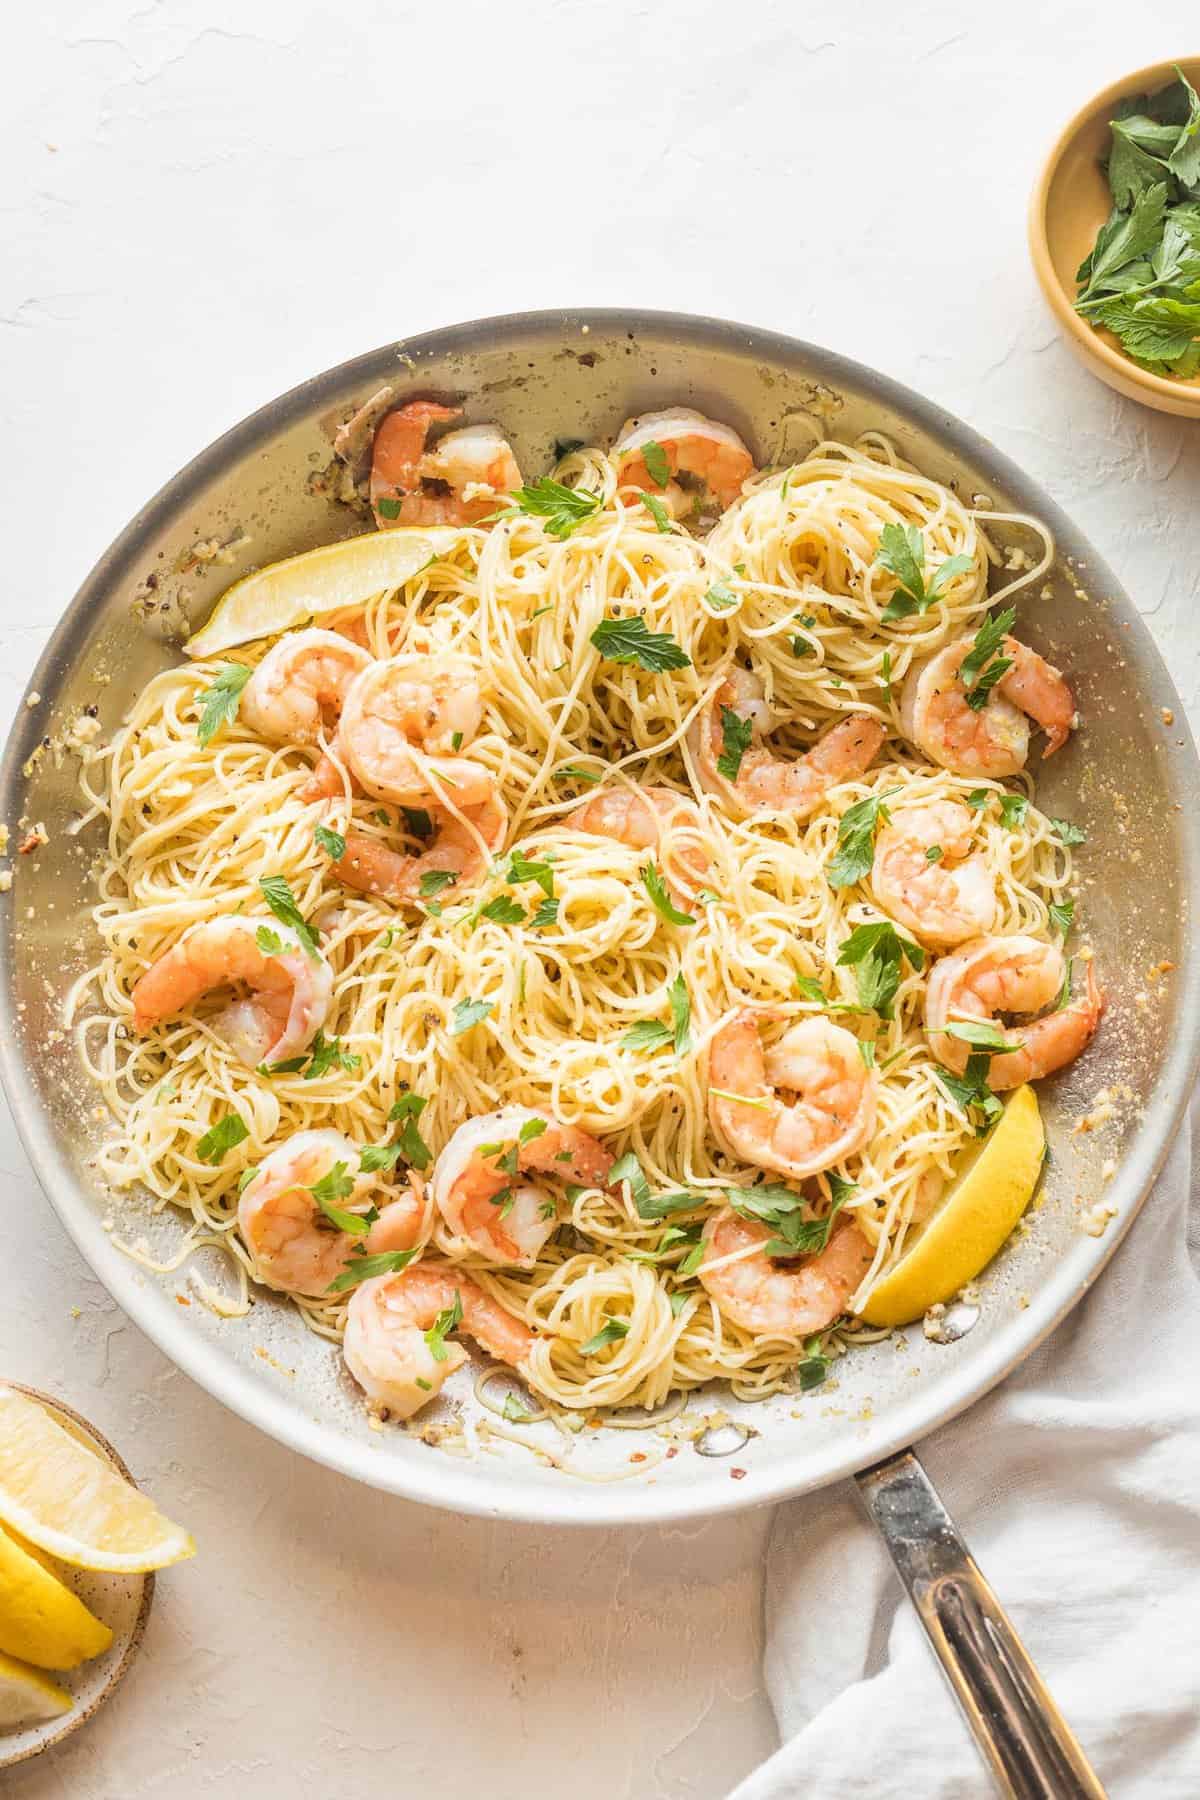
(121, 1601)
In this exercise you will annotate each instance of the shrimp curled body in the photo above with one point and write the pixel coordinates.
(831, 1114)
(457, 482)
(387, 1349)
(403, 723)
(461, 849)
(295, 1247)
(763, 783)
(289, 990)
(710, 457)
(1021, 975)
(992, 740)
(300, 685)
(775, 1299)
(944, 898)
(487, 1204)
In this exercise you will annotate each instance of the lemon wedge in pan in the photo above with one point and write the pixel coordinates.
(62, 1497)
(316, 582)
(41, 1620)
(27, 1697)
(992, 1186)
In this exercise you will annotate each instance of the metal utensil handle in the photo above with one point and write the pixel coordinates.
(1027, 1744)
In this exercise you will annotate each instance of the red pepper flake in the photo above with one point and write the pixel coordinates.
(33, 840)
(673, 1451)
(638, 1456)
(737, 1474)
(182, 1300)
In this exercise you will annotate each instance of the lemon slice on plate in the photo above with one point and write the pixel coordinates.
(27, 1697)
(316, 582)
(41, 1620)
(992, 1186)
(59, 1495)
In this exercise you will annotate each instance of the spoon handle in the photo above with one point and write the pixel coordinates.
(1029, 1748)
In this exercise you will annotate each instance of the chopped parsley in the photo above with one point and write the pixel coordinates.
(515, 1413)
(327, 1053)
(336, 1185)
(681, 1014)
(219, 703)
(503, 910)
(901, 552)
(331, 842)
(783, 1209)
(656, 887)
(436, 881)
(981, 1034)
(875, 952)
(522, 868)
(631, 641)
(737, 734)
(720, 597)
(934, 853)
(658, 512)
(467, 1013)
(564, 509)
(1061, 914)
(611, 1332)
(981, 668)
(647, 1034)
(811, 1373)
(282, 902)
(365, 1268)
(1013, 810)
(417, 822)
(658, 466)
(405, 1112)
(573, 772)
(856, 840)
(222, 1137)
(970, 1092)
(270, 942)
(1067, 834)
(445, 1323)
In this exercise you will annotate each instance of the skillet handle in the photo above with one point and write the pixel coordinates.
(1027, 1744)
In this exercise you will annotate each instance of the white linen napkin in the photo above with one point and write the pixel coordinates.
(1076, 1484)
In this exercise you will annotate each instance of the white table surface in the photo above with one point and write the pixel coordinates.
(204, 201)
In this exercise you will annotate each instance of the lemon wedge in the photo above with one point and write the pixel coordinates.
(992, 1186)
(41, 1620)
(62, 1497)
(27, 1697)
(318, 581)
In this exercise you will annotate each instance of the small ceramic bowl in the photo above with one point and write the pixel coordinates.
(1070, 203)
(122, 1601)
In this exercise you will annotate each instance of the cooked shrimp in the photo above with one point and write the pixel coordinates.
(300, 685)
(289, 991)
(388, 1347)
(832, 1114)
(294, 1245)
(458, 482)
(462, 848)
(476, 1187)
(994, 740)
(942, 901)
(710, 458)
(764, 784)
(780, 1299)
(403, 722)
(998, 975)
(647, 819)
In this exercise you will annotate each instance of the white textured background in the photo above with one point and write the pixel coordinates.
(201, 204)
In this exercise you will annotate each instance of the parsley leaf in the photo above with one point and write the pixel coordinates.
(445, 1322)
(282, 902)
(657, 464)
(379, 1156)
(515, 1413)
(405, 1112)
(630, 641)
(720, 597)
(327, 1053)
(875, 953)
(1061, 914)
(331, 842)
(224, 1136)
(365, 1268)
(504, 910)
(1067, 834)
(647, 1034)
(981, 1034)
(563, 508)
(609, 1333)
(546, 914)
(468, 1013)
(628, 1168)
(573, 772)
(522, 868)
(736, 735)
(417, 822)
(977, 672)
(681, 1013)
(270, 942)
(219, 703)
(658, 513)
(656, 887)
(970, 1091)
(783, 1209)
(333, 1186)
(901, 551)
(436, 881)
(811, 1373)
(1013, 809)
(856, 840)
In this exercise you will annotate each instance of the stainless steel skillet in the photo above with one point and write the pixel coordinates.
(1130, 776)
